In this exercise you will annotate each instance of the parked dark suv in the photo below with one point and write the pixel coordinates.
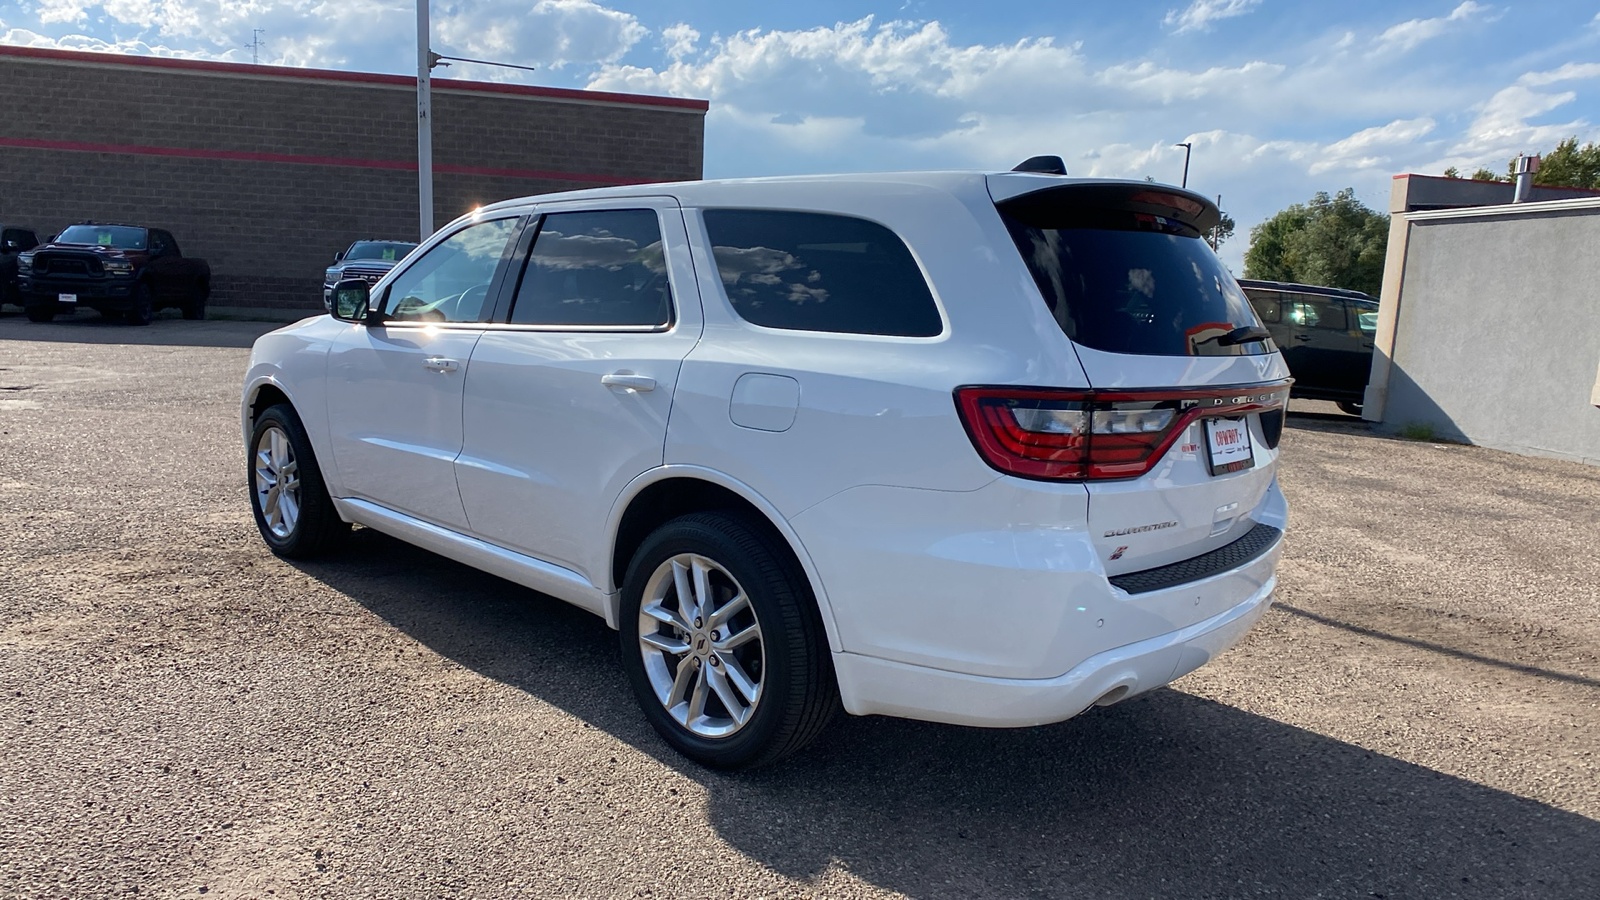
(121, 270)
(14, 239)
(1325, 335)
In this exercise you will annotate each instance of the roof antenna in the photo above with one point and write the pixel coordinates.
(1044, 165)
(255, 44)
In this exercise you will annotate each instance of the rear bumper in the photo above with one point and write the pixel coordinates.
(873, 686)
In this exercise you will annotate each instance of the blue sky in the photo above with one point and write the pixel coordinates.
(1280, 99)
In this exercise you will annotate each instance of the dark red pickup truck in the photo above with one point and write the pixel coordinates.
(119, 270)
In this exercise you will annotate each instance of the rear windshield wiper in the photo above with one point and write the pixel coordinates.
(1247, 334)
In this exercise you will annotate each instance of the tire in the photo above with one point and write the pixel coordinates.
(311, 526)
(196, 307)
(143, 310)
(1350, 407)
(795, 691)
(43, 312)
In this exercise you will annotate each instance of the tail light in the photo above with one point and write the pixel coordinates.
(1095, 435)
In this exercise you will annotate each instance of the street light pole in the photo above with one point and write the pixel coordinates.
(424, 124)
(1186, 148)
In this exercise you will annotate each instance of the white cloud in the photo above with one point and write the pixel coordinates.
(551, 34)
(1407, 35)
(679, 40)
(1568, 72)
(1201, 13)
(1370, 148)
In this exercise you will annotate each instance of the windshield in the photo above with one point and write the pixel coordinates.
(1129, 282)
(390, 251)
(119, 236)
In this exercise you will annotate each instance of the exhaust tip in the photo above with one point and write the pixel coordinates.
(1113, 695)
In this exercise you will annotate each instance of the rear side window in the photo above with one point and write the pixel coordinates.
(1317, 312)
(819, 272)
(596, 269)
(1131, 282)
(1266, 304)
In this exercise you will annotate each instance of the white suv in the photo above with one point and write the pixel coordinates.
(986, 449)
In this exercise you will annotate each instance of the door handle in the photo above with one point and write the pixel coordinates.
(440, 364)
(640, 383)
(1302, 337)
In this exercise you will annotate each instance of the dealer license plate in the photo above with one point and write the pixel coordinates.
(67, 299)
(1228, 445)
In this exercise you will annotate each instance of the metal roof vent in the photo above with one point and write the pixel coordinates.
(1525, 168)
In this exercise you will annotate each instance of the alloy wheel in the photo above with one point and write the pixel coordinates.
(277, 481)
(702, 647)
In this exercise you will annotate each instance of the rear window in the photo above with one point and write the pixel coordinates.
(818, 272)
(119, 236)
(1131, 282)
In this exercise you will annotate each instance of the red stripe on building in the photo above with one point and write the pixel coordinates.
(439, 84)
(401, 165)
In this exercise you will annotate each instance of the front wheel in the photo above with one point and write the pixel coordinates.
(143, 310)
(292, 509)
(1350, 407)
(42, 312)
(723, 644)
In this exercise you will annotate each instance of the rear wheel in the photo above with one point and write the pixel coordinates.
(143, 310)
(1350, 407)
(723, 644)
(292, 509)
(196, 307)
(42, 312)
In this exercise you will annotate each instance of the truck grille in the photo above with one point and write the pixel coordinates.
(369, 275)
(52, 264)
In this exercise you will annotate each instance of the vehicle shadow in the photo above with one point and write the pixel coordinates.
(168, 329)
(1164, 795)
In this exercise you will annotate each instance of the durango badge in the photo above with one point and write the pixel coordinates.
(1141, 529)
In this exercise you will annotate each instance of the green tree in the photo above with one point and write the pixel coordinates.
(1569, 165)
(1333, 241)
(1219, 235)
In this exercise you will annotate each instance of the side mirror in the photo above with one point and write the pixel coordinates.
(13, 246)
(339, 256)
(350, 300)
(50, 240)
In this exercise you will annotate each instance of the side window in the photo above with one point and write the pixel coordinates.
(1366, 317)
(158, 243)
(18, 239)
(169, 242)
(595, 269)
(1320, 312)
(815, 272)
(1266, 304)
(450, 282)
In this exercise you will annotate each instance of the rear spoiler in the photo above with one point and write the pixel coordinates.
(1029, 196)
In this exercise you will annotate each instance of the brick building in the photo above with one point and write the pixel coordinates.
(266, 171)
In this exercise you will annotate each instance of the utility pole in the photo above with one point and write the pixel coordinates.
(424, 123)
(1216, 230)
(255, 44)
(1187, 146)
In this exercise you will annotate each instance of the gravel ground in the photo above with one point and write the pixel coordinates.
(182, 714)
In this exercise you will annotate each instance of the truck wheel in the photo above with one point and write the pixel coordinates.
(196, 307)
(1350, 407)
(723, 644)
(143, 309)
(42, 312)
